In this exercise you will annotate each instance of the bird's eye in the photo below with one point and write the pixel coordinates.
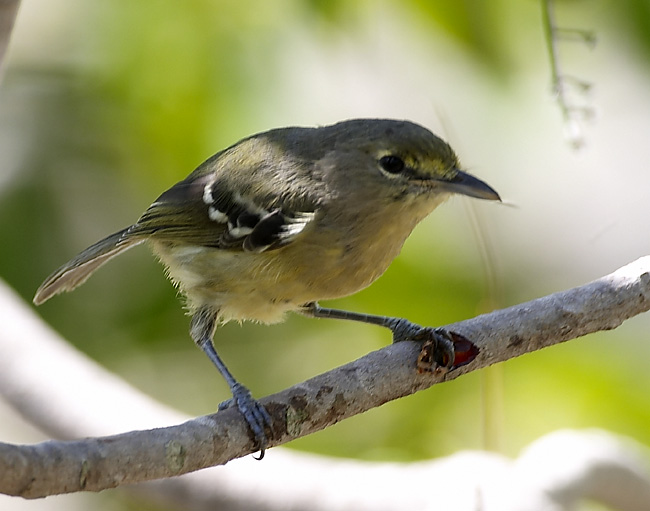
(392, 164)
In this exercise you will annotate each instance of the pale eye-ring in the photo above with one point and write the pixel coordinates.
(392, 164)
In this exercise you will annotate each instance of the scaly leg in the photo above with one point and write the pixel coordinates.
(403, 329)
(202, 329)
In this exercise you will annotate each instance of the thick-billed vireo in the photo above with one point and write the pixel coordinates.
(283, 219)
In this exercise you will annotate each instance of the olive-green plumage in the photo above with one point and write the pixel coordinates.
(288, 217)
(357, 216)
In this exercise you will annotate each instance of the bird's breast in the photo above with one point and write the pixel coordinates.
(326, 261)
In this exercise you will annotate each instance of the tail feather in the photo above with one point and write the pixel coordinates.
(75, 272)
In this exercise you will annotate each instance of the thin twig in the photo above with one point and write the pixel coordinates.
(571, 114)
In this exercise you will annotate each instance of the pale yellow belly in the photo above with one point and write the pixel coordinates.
(324, 263)
(265, 286)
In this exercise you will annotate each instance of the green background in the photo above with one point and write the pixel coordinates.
(104, 105)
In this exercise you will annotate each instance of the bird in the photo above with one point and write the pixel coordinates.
(282, 220)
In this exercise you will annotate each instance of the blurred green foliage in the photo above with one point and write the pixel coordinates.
(149, 90)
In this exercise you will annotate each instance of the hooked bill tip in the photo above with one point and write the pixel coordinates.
(466, 184)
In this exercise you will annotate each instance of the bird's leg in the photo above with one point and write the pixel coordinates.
(202, 329)
(403, 329)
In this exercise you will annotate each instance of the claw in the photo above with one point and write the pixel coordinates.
(224, 405)
(437, 353)
(255, 414)
(438, 349)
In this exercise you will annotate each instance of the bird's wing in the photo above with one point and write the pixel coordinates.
(204, 210)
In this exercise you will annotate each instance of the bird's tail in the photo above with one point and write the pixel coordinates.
(76, 271)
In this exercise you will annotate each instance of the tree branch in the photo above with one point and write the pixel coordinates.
(97, 463)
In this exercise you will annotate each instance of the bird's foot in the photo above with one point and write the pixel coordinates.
(438, 344)
(256, 416)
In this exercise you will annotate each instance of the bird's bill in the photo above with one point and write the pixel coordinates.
(466, 184)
